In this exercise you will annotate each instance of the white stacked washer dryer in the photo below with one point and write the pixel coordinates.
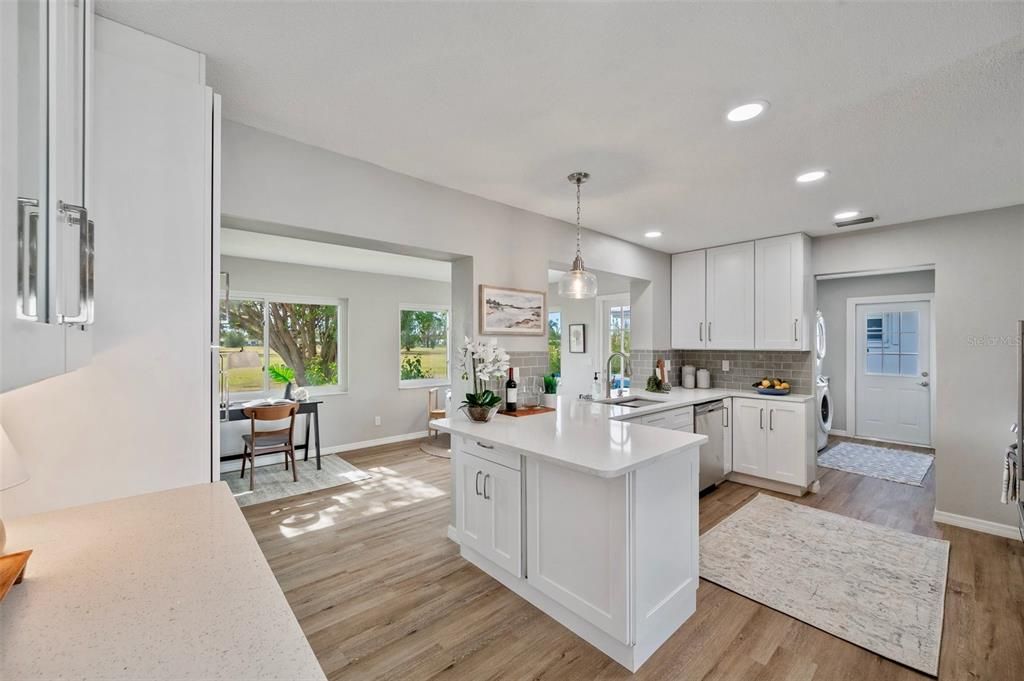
(821, 385)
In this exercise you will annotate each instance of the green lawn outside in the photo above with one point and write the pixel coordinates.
(246, 378)
(435, 360)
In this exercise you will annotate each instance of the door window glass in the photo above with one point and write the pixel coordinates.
(892, 343)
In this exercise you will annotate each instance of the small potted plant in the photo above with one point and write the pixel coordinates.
(481, 361)
(550, 391)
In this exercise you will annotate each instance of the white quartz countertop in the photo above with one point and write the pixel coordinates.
(594, 438)
(169, 585)
(581, 435)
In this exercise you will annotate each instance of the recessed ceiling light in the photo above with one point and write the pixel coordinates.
(846, 214)
(745, 112)
(811, 176)
(652, 235)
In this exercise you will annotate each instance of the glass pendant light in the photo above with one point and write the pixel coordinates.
(578, 283)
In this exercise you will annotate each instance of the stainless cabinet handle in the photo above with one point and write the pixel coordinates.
(481, 444)
(84, 264)
(771, 419)
(28, 252)
(476, 485)
(762, 418)
(709, 332)
(700, 331)
(795, 321)
(725, 417)
(486, 478)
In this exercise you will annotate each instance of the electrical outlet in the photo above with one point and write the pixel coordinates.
(725, 365)
(376, 420)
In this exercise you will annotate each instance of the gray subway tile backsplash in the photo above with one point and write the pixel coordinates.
(746, 366)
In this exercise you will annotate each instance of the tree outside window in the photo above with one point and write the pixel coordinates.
(423, 337)
(270, 343)
(555, 343)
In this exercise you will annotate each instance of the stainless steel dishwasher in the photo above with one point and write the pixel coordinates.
(712, 419)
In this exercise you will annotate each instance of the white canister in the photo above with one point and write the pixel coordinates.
(703, 378)
(689, 381)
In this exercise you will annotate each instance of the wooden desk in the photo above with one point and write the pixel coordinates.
(309, 407)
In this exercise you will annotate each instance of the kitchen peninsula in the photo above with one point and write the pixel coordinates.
(590, 518)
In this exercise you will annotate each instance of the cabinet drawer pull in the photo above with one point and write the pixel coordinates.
(482, 445)
(486, 478)
(725, 417)
(477, 484)
(762, 418)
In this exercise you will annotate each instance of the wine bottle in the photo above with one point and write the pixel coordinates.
(511, 388)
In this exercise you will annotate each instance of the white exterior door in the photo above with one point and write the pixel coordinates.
(689, 314)
(730, 297)
(893, 371)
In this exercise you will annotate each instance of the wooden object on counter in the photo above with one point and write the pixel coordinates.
(12, 570)
(527, 411)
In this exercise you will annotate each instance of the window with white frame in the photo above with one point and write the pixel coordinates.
(423, 357)
(268, 341)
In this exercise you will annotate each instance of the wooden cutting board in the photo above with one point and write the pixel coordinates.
(12, 569)
(527, 411)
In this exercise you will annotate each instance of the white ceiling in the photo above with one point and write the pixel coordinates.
(916, 108)
(243, 244)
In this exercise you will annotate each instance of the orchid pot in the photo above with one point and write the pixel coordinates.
(481, 361)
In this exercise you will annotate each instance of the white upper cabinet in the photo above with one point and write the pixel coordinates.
(45, 230)
(730, 297)
(783, 293)
(689, 315)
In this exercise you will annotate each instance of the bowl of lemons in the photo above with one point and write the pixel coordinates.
(772, 386)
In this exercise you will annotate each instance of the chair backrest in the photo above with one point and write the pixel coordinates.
(432, 399)
(271, 413)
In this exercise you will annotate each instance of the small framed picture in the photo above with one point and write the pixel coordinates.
(577, 338)
(512, 311)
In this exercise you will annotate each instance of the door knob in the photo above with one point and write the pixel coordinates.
(923, 384)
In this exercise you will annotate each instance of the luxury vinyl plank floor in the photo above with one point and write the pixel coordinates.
(381, 593)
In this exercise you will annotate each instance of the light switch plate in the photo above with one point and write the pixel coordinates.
(725, 365)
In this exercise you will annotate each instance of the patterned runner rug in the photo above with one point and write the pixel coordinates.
(897, 465)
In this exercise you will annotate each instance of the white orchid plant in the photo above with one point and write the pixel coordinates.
(482, 360)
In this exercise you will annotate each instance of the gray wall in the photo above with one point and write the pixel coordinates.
(832, 295)
(979, 295)
(373, 321)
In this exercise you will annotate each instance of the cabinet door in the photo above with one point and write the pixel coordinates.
(578, 537)
(727, 424)
(689, 316)
(779, 293)
(748, 436)
(785, 453)
(472, 520)
(502, 492)
(730, 297)
(32, 348)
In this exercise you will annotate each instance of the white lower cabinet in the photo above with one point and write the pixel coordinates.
(577, 544)
(489, 510)
(774, 440)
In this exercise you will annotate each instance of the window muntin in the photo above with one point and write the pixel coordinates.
(892, 343)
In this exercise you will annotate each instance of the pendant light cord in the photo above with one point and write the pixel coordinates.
(579, 213)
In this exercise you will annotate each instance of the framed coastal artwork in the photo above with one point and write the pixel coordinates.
(577, 338)
(512, 311)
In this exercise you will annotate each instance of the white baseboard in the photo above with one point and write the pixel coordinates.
(452, 534)
(390, 440)
(277, 459)
(976, 524)
(840, 433)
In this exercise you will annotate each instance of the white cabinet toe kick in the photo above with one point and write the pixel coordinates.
(613, 559)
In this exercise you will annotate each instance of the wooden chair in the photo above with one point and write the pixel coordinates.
(269, 441)
(433, 410)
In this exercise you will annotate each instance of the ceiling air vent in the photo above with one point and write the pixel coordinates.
(855, 221)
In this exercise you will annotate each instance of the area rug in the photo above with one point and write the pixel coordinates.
(274, 482)
(897, 465)
(879, 588)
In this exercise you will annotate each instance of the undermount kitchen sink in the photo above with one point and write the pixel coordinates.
(631, 402)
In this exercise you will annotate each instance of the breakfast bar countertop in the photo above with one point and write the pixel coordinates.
(168, 585)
